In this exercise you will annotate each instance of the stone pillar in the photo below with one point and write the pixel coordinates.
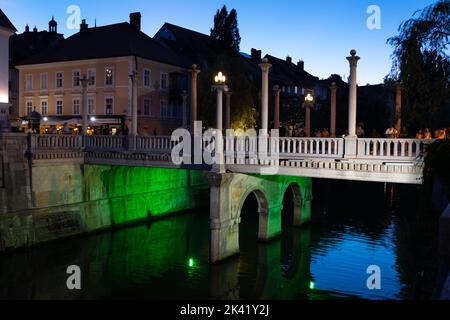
(265, 67)
(269, 223)
(224, 236)
(351, 141)
(277, 91)
(84, 83)
(228, 110)
(194, 76)
(308, 119)
(220, 89)
(185, 96)
(352, 100)
(333, 89)
(134, 104)
(398, 107)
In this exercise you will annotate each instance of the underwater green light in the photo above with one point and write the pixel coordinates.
(311, 285)
(191, 263)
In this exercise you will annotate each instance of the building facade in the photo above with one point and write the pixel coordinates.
(52, 83)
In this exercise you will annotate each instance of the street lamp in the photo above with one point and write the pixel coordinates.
(220, 87)
(309, 99)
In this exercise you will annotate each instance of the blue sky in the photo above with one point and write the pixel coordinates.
(321, 32)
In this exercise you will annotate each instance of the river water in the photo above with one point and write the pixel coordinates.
(355, 225)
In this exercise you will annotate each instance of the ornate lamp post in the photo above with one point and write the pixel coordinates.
(308, 104)
(220, 87)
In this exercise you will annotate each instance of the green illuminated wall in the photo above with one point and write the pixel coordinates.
(134, 193)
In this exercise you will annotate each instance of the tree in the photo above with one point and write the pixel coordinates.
(226, 29)
(421, 63)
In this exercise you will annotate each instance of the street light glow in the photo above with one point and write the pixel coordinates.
(309, 98)
(220, 78)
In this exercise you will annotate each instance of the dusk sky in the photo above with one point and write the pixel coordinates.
(320, 32)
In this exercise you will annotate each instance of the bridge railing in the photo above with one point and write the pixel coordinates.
(110, 143)
(311, 147)
(61, 142)
(389, 149)
(154, 144)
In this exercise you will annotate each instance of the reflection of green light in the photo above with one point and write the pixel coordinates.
(191, 263)
(311, 285)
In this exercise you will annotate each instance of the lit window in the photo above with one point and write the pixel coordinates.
(29, 82)
(76, 78)
(76, 106)
(109, 76)
(59, 107)
(147, 78)
(59, 80)
(164, 81)
(109, 105)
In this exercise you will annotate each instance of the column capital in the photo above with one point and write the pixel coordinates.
(276, 88)
(184, 94)
(353, 59)
(194, 71)
(228, 93)
(398, 85)
(220, 87)
(265, 65)
(334, 86)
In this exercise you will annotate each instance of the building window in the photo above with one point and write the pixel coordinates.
(44, 81)
(29, 82)
(109, 105)
(147, 78)
(59, 107)
(76, 75)
(147, 107)
(59, 80)
(91, 105)
(29, 106)
(44, 107)
(109, 76)
(91, 77)
(76, 106)
(164, 81)
(164, 109)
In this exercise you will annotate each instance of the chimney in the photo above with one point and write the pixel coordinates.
(301, 65)
(83, 26)
(289, 59)
(35, 29)
(256, 55)
(135, 21)
(27, 28)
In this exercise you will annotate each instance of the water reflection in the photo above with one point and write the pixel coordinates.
(169, 259)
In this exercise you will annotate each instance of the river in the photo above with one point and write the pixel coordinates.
(354, 226)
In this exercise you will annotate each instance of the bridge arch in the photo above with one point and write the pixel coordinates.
(263, 210)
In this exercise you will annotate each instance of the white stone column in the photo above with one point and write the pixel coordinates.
(265, 67)
(194, 76)
(352, 100)
(308, 120)
(185, 120)
(351, 141)
(228, 110)
(398, 107)
(277, 91)
(333, 110)
(220, 89)
(84, 111)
